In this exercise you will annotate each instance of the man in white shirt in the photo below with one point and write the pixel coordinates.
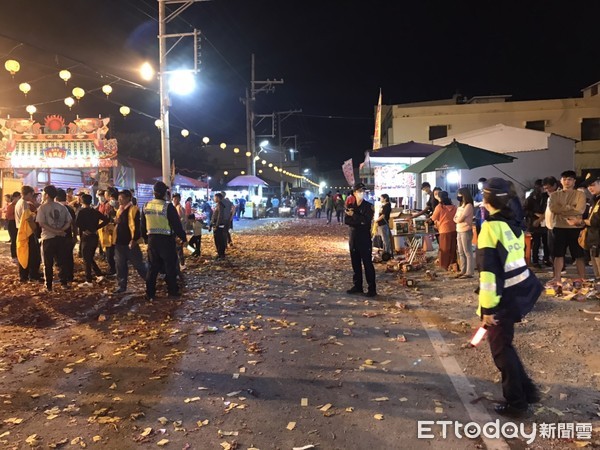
(54, 219)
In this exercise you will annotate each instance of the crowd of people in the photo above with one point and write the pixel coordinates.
(45, 228)
(558, 216)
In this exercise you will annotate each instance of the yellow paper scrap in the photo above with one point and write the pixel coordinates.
(162, 442)
(378, 416)
(291, 426)
(325, 407)
(303, 401)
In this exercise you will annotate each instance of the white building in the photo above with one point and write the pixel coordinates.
(576, 118)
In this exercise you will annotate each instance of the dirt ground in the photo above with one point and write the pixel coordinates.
(266, 350)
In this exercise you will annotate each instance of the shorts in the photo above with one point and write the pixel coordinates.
(566, 237)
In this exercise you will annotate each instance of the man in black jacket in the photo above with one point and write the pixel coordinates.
(359, 217)
(88, 221)
(535, 207)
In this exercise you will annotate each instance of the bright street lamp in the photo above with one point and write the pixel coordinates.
(264, 143)
(182, 82)
(147, 72)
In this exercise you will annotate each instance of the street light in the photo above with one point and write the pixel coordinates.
(182, 82)
(147, 72)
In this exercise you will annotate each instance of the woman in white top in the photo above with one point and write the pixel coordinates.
(464, 229)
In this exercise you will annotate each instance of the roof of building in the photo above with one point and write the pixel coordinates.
(502, 139)
(410, 149)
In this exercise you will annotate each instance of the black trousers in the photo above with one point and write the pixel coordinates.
(220, 235)
(361, 255)
(32, 272)
(12, 232)
(318, 213)
(329, 213)
(516, 384)
(196, 243)
(539, 238)
(110, 259)
(89, 243)
(69, 265)
(54, 250)
(162, 255)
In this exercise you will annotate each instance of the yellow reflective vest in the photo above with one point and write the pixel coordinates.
(157, 221)
(502, 265)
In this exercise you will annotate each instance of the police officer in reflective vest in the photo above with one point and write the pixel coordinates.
(160, 225)
(359, 216)
(507, 291)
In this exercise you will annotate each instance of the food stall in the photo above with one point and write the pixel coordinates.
(65, 155)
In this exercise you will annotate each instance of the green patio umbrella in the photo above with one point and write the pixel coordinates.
(457, 156)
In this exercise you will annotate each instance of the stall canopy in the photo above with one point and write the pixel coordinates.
(245, 181)
(185, 182)
(458, 155)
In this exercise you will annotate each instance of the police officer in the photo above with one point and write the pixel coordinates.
(358, 217)
(507, 291)
(160, 225)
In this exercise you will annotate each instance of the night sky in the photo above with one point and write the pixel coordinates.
(333, 55)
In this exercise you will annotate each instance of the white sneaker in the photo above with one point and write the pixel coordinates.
(99, 279)
(85, 284)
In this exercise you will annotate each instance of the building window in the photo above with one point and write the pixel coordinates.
(438, 131)
(539, 125)
(594, 90)
(590, 129)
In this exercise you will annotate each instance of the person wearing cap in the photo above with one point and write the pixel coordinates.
(359, 217)
(160, 226)
(568, 206)
(507, 292)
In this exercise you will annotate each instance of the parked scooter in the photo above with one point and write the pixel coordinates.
(301, 211)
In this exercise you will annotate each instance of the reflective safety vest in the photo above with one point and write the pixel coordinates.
(156, 217)
(501, 259)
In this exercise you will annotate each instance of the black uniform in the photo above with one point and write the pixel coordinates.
(361, 244)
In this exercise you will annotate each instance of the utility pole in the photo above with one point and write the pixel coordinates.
(281, 116)
(256, 87)
(163, 19)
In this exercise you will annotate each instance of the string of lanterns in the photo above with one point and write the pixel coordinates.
(13, 67)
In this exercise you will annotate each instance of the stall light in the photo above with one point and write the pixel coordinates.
(236, 150)
(31, 109)
(185, 133)
(270, 164)
(264, 162)
(243, 172)
(453, 177)
(12, 66)
(25, 88)
(107, 89)
(259, 170)
(256, 158)
(158, 123)
(125, 110)
(64, 75)
(205, 140)
(248, 154)
(225, 173)
(70, 102)
(223, 145)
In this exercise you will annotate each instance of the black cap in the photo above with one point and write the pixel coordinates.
(160, 188)
(591, 179)
(497, 186)
(358, 187)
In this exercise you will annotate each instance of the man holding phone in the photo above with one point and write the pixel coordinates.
(358, 217)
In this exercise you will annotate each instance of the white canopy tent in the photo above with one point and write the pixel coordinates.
(539, 154)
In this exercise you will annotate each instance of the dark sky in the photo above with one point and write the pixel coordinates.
(334, 55)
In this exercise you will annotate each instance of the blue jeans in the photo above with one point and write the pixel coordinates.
(384, 232)
(464, 248)
(124, 254)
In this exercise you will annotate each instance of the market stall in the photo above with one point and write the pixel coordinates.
(74, 155)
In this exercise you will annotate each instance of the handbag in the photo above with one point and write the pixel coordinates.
(582, 237)
(377, 241)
